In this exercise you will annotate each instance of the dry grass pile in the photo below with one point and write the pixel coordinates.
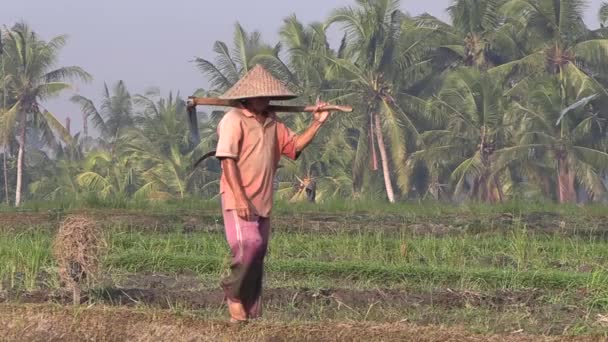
(77, 249)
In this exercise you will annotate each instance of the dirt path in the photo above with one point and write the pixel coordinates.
(47, 323)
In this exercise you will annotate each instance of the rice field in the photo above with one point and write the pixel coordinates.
(472, 272)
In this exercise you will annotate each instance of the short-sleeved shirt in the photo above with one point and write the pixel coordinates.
(257, 149)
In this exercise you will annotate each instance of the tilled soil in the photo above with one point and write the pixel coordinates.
(280, 297)
(449, 224)
(34, 323)
(152, 291)
(167, 290)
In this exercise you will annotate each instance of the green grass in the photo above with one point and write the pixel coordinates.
(569, 272)
(517, 250)
(22, 258)
(512, 260)
(482, 278)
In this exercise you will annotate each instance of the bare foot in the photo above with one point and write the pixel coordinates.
(237, 312)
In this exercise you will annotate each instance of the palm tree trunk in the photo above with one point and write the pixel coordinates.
(85, 126)
(491, 190)
(6, 196)
(565, 182)
(498, 185)
(384, 158)
(20, 163)
(372, 144)
(4, 108)
(485, 194)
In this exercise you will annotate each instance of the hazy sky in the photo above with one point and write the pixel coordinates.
(151, 43)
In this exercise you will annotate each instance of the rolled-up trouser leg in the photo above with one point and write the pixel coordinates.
(248, 242)
(254, 303)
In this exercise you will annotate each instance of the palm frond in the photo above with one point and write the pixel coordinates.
(8, 120)
(50, 89)
(348, 18)
(593, 53)
(584, 84)
(216, 78)
(597, 158)
(225, 63)
(531, 64)
(90, 111)
(603, 13)
(67, 73)
(522, 152)
(95, 182)
(590, 178)
(56, 126)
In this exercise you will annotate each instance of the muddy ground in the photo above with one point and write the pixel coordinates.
(50, 323)
(448, 224)
(299, 298)
(437, 307)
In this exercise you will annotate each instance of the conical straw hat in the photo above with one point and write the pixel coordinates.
(258, 82)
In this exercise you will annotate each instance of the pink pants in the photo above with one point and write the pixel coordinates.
(248, 242)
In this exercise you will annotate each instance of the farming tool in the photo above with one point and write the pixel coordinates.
(194, 101)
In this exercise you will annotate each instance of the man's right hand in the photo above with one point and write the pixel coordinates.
(246, 212)
(245, 209)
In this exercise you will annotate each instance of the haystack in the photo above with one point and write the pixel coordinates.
(77, 250)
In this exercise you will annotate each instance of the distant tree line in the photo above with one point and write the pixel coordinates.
(508, 101)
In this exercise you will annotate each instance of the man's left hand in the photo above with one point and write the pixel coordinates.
(321, 116)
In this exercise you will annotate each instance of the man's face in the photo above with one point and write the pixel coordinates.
(258, 105)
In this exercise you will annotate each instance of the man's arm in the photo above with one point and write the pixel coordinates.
(230, 134)
(243, 207)
(309, 134)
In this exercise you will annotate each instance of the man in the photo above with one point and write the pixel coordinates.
(251, 143)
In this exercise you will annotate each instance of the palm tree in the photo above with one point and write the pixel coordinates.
(470, 109)
(560, 49)
(114, 117)
(58, 181)
(32, 79)
(162, 119)
(567, 136)
(602, 32)
(247, 51)
(327, 158)
(308, 49)
(110, 176)
(384, 54)
(555, 39)
(5, 136)
(478, 36)
(160, 147)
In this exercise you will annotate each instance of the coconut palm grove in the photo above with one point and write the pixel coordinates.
(464, 197)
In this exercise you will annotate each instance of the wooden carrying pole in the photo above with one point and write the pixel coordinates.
(209, 101)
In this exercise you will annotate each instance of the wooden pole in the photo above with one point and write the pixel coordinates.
(209, 101)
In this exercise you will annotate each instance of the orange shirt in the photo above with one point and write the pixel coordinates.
(257, 149)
